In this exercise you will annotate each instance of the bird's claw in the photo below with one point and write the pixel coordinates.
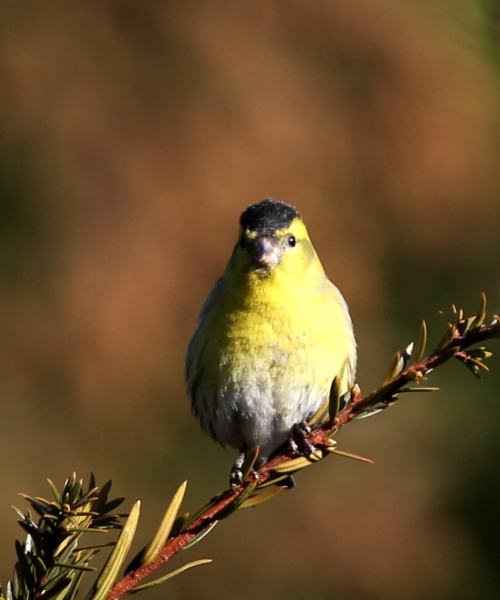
(236, 478)
(236, 475)
(298, 439)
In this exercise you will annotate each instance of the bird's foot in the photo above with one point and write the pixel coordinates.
(236, 475)
(298, 439)
(245, 466)
(288, 482)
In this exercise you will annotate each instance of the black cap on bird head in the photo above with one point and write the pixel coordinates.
(268, 216)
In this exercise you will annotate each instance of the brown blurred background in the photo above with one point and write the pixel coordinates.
(132, 135)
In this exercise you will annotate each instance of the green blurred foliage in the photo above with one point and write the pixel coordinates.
(132, 135)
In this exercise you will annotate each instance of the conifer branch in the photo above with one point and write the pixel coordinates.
(52, 561)
(460, 335)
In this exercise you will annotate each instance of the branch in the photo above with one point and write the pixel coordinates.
(52, 561)
(189, 529)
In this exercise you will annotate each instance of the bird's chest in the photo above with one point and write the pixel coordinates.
(268, 344)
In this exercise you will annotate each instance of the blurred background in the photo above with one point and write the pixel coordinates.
(132, 136)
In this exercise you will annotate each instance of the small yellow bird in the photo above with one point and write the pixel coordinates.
(272, 335)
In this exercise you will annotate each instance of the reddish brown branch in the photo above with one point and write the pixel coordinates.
(319, 437)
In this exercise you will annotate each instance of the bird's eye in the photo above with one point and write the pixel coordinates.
(292, 241)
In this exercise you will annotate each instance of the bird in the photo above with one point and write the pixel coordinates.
(272, 335)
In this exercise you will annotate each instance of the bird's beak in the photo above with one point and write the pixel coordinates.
(265, 251)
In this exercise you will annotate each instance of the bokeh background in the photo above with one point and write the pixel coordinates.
(132, 135)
